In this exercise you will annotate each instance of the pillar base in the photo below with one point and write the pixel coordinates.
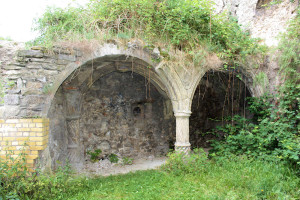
(183, 147)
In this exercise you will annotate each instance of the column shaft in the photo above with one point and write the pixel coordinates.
(182, 132)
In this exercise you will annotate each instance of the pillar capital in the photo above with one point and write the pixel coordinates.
(182, 114)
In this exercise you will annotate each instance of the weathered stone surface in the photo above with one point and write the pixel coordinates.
(13, 91)
(10, 110)
(50, 67)
(49, 72)
(66, 57)
(114, 117)
(12, 67)
(32, 101)
(13, 72)
(34, 85)
(31, 53)
(12, 99)
(263, 20)
(34, 66)
(113, 113)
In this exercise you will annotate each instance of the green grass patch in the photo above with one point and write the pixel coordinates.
(237, 178)
(182, 177)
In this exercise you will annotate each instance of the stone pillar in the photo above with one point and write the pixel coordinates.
(182, 143)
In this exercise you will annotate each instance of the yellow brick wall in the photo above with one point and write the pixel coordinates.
(23, 135)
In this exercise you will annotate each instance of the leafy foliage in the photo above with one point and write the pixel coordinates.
(179, 163)
(290, 50)
(127, 161)
(272, 135)
(17, 182)
(113, 158)
(95, 154)
(237, 177)
(171, 24)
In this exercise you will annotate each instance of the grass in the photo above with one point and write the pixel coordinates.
(228, 179)
(192, 177)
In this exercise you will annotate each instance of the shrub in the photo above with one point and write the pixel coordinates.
(127, 161)
(16, 182)
(180, 163)
(271, 135)
(113, 158)
(94, 155)
(187, 26)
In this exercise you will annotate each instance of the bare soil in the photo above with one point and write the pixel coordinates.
(106, 168)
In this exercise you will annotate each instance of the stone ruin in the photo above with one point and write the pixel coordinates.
(68, 102)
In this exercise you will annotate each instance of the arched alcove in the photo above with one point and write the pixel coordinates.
(116, 104)
(219, 95)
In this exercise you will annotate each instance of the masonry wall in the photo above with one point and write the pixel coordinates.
(29, 136)
(118, 115)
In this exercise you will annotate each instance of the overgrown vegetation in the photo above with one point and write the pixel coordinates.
(252, 162)
(95, 155)
(189, 28)
(195, 177)
(273, 133)
(18, 182)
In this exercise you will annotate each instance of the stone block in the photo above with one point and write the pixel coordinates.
(49, 72)
(31, 53)
(34, 66)
(12, 67)
(14, 91)
(50, 67)
(12, 99)
(13, 72)
(71, 58)
(32, 101)
(12, 121)
(34, 85)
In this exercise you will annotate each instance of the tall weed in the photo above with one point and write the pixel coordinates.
(17, 182)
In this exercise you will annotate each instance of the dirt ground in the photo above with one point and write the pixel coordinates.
(106, 168)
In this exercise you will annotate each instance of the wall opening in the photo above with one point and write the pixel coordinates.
(219, 96)
(121, 113)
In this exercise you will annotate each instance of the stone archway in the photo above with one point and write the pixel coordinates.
(219, 95)
(115, 103)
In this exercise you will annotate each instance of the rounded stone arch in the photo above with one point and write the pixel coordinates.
(74, 83)
(108, 58)
(246, 77)
(219, 94)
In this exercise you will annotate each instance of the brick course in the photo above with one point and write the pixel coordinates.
(23, 135)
